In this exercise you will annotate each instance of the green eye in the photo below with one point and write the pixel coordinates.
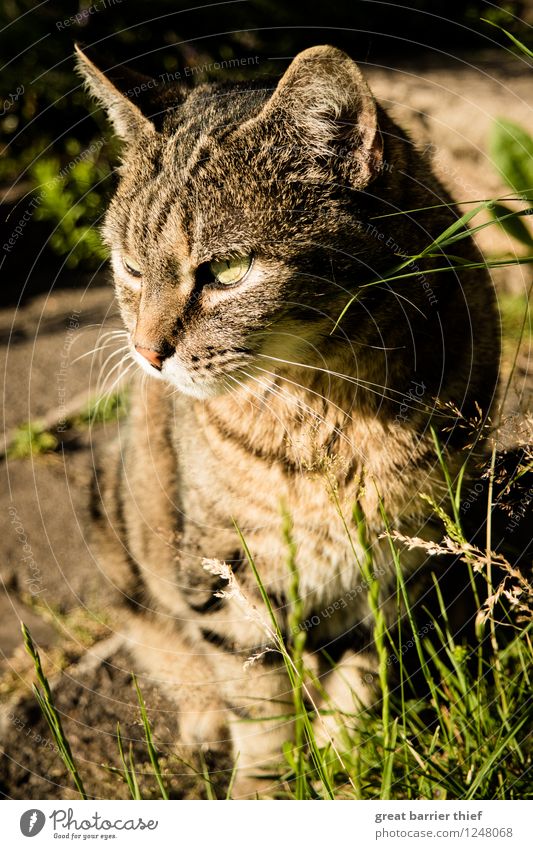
(231, 270)
(131, 266)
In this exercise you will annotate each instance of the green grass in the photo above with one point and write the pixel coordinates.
(33, 438)
(468, 736)
(44, 696)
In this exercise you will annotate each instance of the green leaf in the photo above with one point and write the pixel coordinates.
(512, 224)
(520, 44)
(511, 150)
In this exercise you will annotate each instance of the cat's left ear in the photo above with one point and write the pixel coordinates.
(127, 119)
(324, 98)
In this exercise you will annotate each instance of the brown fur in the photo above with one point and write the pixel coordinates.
(276, 404)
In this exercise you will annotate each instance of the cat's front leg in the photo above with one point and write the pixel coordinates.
(261, 708)
(181, 666)
(349, 688)
(224, 703)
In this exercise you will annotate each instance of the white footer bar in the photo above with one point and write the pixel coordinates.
(267, 824)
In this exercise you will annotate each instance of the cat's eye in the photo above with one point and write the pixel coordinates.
(131, 266)
(231, 270)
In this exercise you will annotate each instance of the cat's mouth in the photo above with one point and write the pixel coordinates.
(194, 380)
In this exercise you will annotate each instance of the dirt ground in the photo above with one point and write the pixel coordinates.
(49, 577)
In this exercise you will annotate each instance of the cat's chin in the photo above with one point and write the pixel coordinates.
(199, 391)
(180, 378)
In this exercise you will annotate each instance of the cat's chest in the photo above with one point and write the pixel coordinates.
(225, 485)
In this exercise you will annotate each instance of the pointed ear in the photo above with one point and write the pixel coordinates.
(127, 119)
(325, 99)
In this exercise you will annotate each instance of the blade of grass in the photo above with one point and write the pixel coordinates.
(388, 761)
(366, 564)
(232, 780)
(130, 774)
(210, 793)
(522, 47)
(51, 714)
(309, 731)
(297, 645)
(152, 753)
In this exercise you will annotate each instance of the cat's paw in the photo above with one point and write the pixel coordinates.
(204, 729)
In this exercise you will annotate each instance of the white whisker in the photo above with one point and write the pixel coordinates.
(109, 392)
(102, 387)
(248, 389)
(367, 385)
(97, 350)
(125, 349)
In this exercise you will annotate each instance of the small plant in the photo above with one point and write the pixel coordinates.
(106, 408)
(152, 752)
(295, 753)
(128, 766)
(31, 439)
(72, 198)
(511, 150)
(34, 438)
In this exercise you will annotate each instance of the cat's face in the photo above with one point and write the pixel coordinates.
(232, 240)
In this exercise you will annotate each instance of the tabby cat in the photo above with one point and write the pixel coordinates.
(280, 374)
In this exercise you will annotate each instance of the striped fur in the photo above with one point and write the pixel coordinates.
(262, 399)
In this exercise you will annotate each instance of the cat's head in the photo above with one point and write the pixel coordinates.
(233, 236)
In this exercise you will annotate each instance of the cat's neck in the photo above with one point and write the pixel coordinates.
(303, 416)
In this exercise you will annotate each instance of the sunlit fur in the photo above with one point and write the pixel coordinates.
(263, 398)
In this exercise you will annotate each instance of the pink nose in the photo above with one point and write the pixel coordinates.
(154, 358)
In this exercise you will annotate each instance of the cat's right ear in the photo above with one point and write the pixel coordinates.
(127, 119)
(324, 102)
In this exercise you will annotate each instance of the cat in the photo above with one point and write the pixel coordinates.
(280, 379)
